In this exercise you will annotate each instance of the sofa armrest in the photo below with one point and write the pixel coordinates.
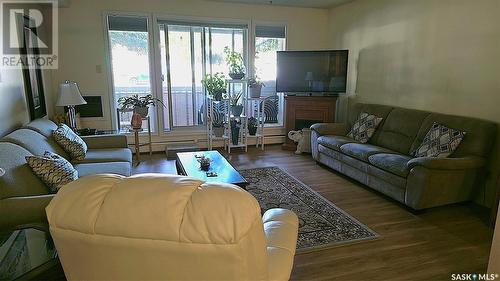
(339, 129)
(106, 141)
(281, 230)
(464, 163)
(28, 211)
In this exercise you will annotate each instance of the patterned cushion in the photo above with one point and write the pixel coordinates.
(52, 169)
(439, 142)
(364, 127)
(70, 142)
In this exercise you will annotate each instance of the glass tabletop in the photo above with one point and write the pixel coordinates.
(21, 251)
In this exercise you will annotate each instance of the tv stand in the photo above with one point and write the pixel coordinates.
(303, 111)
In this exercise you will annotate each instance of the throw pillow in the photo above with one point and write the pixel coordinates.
(52, 169)
(70, 142)
(364, 128)
(439, 142)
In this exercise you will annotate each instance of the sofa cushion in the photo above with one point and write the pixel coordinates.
(334, 142)
(480, 137)
(362, 151)
(375, 109)
(439, 142)
(34, 142)
(52, 169)
(42, 126)
(107, 155)
(119, 168)
(364, 128)
(399, 130)
(70, 141)
(394, 163)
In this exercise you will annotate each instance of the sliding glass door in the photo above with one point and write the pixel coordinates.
(130, 63)
(188, 52)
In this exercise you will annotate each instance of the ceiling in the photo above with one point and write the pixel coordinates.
(295, 3)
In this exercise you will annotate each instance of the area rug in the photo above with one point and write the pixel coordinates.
(321, 223)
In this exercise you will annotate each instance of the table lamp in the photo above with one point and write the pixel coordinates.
(309, 78)
(69, 95)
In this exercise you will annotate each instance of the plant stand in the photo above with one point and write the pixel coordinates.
(260, 104)
(235, 86)
(217, 111)
(138, 144)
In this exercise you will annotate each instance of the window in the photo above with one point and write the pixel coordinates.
(269, 40)
(129, 52)
(188, 52)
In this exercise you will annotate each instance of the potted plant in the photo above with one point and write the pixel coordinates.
(236, 108)
(204, 163)
(255, 87)
(215, 85)
(138, 104)
(252, 126)
(218, 127)
(235, 130)
(235, 62)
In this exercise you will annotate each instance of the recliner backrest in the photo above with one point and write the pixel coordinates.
(34, 142)
(157, 227)
(42, 126)
(399, 130)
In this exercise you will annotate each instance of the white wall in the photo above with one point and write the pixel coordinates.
(436, 55)
(82, 46)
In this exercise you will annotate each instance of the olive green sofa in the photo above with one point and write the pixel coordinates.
(385, 162)
(23, 197)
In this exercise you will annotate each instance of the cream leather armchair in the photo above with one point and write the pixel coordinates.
(166, 227)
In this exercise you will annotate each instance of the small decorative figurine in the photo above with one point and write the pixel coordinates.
(303, 140)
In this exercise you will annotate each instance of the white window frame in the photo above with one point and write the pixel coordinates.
(109, 63)
(269, 23)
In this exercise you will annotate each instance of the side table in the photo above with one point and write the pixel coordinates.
(138, 144)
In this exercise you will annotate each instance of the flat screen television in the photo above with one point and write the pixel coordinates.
(312, 72)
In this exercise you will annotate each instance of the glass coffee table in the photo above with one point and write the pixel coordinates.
(219, 171)
(25, 253)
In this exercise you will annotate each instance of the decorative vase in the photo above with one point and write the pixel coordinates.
(255, 91)
(252, 130)
(218, 131)
(235, 135)
(218, 96)
(237, 110)
(136, 121)
(142, 110)
(236, 76)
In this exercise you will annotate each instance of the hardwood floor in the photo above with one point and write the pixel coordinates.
(427, 246)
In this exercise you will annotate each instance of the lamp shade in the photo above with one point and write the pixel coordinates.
(69, 94)
(309, 76)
